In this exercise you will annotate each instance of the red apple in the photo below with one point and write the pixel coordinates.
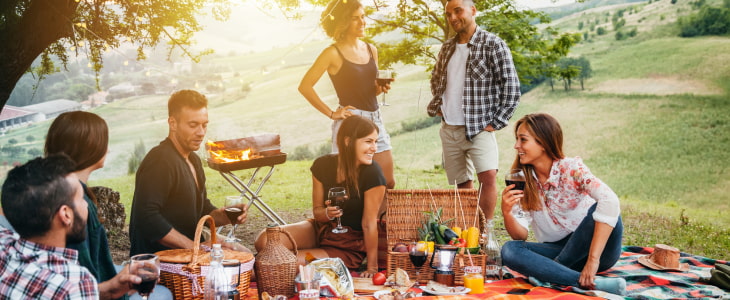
(400, 247)
(379, 279)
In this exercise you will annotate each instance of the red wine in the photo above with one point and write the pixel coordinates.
(233, 213)
(146, 286)
(418, 260)
(384, 81)
(519, 185)
(337, 201)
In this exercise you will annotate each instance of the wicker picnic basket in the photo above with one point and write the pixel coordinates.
(405, 216)
(183, 271)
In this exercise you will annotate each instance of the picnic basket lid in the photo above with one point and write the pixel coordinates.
(194, 257)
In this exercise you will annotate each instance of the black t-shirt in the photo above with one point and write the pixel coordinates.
(325, 170)
(166, 197)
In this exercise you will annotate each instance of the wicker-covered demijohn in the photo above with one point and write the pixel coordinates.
(183, 271)
(276, 265)
(405, 216)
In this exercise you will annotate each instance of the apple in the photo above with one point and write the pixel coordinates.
(400, 247)
(379, 278)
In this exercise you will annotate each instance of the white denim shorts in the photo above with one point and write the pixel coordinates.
(375, 116)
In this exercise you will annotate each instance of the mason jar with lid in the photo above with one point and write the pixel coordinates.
(473, 279)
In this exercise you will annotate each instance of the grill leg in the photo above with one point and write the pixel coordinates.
(253, 196)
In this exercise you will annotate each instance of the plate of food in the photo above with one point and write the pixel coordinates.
(393, 294)
(438, 289)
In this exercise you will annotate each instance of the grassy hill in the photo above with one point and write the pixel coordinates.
(652, 123)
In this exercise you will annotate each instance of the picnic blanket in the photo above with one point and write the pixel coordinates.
(515, 288)
(645, 283)
(642, 282)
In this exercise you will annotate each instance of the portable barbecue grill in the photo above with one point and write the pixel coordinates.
(248, 153)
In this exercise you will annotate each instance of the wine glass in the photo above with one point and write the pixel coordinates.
(516, 177)
(384, 77)
(418, 252)
(337, 197)
(233, 212)
(147, 267)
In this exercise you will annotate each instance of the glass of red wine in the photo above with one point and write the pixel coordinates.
(418, 252)
(337, 197)
(384, 77)
(147, 267)
(233, 211)
(516, 177)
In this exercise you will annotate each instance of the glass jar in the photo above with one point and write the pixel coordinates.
(473, 279)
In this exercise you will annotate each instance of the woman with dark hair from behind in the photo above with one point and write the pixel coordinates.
(84, 137)
(576, 218)
(353, 168)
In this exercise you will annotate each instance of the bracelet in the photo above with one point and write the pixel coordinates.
(332, 114)
(327, 214)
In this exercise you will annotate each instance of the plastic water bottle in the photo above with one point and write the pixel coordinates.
(493, 251)
(217, 282)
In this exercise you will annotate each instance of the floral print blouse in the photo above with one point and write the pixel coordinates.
(566, 197)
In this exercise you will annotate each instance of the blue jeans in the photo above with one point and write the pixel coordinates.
(561, 262)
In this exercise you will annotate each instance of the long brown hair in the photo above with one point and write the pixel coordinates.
(83, 137)
(336, 17)
(352, 128)
(548, 134)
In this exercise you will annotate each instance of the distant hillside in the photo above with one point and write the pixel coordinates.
(565, 10)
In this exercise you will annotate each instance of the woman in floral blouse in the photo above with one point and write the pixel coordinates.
(574, 215)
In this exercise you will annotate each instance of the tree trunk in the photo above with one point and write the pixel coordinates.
(581, 85)
(24, 39)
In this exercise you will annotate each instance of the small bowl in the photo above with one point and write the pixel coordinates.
(472, 250)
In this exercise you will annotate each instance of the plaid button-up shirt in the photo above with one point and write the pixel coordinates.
(33, 271)
(491, 87)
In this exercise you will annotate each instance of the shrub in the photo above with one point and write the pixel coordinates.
(301, 153)
(708, 21)
(136, 159)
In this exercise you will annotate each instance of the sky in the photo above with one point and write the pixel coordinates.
(251, 28)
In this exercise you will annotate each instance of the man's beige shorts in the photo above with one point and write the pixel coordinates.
(463, 157)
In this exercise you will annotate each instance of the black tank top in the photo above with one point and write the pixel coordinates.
(355, 83)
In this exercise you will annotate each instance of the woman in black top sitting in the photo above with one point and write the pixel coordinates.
(352, 66)
(354, 169)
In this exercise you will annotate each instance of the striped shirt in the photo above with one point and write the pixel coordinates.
(34, 271)
(491, 87)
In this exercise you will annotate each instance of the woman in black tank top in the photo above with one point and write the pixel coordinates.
(352, 68)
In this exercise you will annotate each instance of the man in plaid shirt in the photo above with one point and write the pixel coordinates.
(475, 90)
(43, 201)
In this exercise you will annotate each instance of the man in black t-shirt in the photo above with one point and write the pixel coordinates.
(170, 195)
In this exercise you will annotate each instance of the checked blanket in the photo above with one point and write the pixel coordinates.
(645, 283)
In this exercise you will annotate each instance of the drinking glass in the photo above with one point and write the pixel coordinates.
(147, 267)
(384, 77)
(418, 252)
(233, 212)
(516, 177)
(337, 197)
